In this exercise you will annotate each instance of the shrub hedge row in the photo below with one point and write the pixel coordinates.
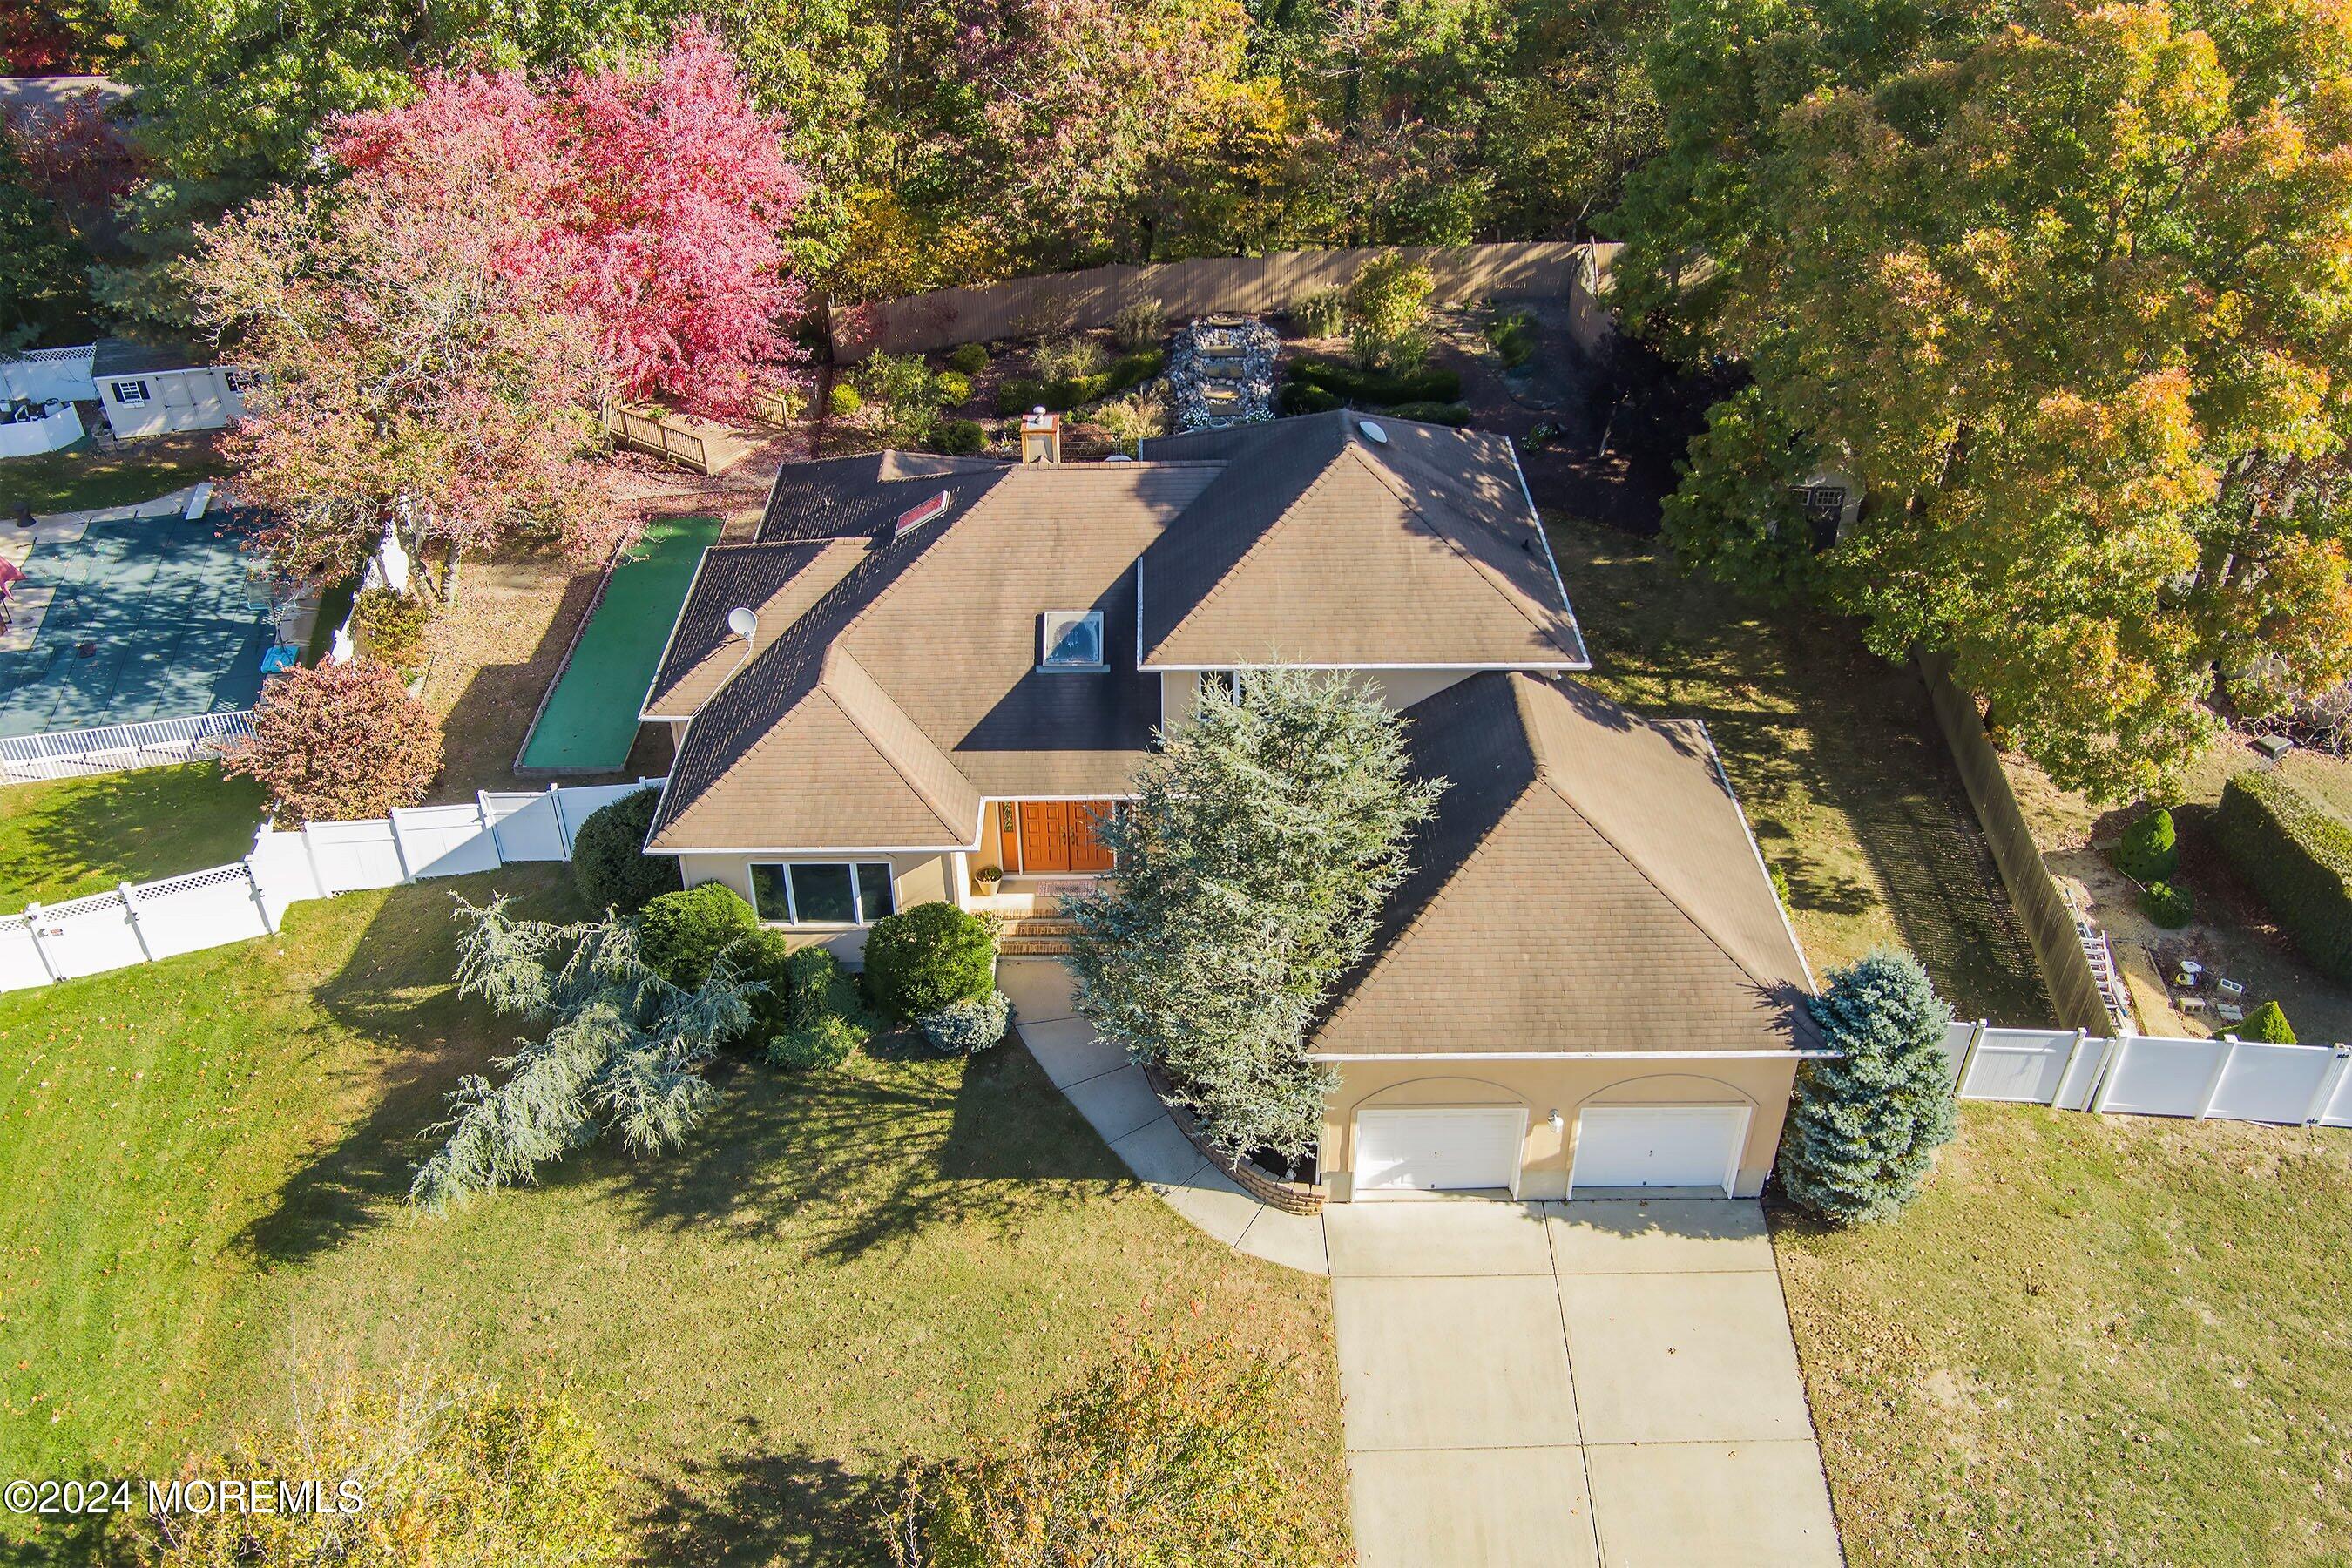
(1357, 385)
(2297, 855)
(1021, 394)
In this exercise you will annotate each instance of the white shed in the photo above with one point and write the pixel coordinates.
(150, 391)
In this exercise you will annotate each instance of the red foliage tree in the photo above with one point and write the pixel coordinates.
(339, 742)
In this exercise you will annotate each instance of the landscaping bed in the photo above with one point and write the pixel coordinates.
(1847, 785)
(2093, 1340)
(842, 1270)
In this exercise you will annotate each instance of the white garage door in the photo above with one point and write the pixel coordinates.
(1438, 1149)
(1658, 1145)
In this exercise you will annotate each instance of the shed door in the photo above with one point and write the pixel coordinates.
(1434, 1149)
(1658, 1145)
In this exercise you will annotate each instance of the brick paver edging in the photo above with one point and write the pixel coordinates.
(1274, 1191)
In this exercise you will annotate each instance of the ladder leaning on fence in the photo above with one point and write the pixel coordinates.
(223, 904)
(2101, 957)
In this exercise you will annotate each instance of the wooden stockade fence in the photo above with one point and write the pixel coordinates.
(2050, 920)
(1066, 301)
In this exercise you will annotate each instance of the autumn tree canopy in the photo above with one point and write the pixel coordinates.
(2067, 298)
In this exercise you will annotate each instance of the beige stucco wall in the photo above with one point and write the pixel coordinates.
(917, 878)
(1565, 1085)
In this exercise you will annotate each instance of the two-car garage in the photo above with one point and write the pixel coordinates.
(1416, 1149)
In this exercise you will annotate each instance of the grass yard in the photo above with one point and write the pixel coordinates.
(73, 836)
(2093, 1340)
(1849, 788)
(839, 1272)
(83, 478)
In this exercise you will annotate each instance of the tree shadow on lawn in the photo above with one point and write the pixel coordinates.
(770, 1505)
(898, 1141)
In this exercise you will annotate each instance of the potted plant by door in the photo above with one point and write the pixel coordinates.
(988, 876)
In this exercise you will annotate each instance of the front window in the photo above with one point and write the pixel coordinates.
(823, 892)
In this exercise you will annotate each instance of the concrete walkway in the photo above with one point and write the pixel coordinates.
(1572, 1384)
(1110, 1092)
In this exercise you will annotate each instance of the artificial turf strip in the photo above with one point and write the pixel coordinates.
(590, 720)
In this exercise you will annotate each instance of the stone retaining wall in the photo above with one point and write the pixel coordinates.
(1275, 1192)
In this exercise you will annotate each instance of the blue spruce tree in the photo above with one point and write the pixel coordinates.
(1866, 1125)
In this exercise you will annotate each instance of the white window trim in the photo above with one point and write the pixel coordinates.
(137, 395)
(792, 900)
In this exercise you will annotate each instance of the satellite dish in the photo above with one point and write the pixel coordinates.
(742, 622)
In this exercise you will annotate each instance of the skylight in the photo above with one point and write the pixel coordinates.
(1372, 432)
(914, 516)
(1073, 639)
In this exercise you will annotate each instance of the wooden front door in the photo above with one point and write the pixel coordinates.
(1058, 836)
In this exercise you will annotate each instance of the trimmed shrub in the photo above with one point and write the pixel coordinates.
(919, 960)
(2150, 849)
(1864, 1125)
(1322, 314)
(816, 985)
(962, 437)
(969, 1028)
(844, 400)
(390, 626)
(1140, 325)
(951, 386)
(2269, 1027)
(768, 959)
(1019, 396)
(822, 1046)
(1306, 397)
(969, 358)
(1388, 303)
(680, 935)
(335, 742)
(2167, 904)
(1069, 358)
(1377, 387)
(2297, 855)
(1454, 414)
(609, 865)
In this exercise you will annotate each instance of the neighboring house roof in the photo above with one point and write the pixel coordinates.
(122, 356)
(34, 96)
(1320, 544)
(910, 689)
(1586, 884)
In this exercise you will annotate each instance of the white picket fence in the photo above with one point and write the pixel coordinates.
(139, 924)
(2153, 1075)
(112, 748)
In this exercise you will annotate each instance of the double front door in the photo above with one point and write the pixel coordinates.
(1059, 836)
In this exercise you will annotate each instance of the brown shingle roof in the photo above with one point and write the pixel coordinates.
(779, 582)
(1320, 545)
(1587, 884)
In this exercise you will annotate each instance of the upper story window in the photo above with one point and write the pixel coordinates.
(128, 393)
(1072, 640)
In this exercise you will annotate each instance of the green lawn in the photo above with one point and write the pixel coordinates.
(839, 1271)
(1835, 754)
(73, 837)
(83, 478)
(2094, 1339)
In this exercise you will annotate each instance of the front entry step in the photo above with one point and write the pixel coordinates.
(1038, 936)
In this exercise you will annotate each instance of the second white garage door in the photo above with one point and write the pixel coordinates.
(1658, 1146)
(1438, 1149)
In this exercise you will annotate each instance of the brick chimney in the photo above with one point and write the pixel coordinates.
(1041, 437)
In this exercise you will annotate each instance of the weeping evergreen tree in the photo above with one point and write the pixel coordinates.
(1864, 1126)
(622, 1049)
(1264, 834)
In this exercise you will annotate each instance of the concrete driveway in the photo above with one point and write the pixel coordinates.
(1572, 1384)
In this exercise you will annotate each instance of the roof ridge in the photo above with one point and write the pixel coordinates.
(1545, 774)
(1265, 533)
(1395, 485)
(872, 691)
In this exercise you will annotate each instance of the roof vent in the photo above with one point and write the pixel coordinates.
(914, 516)
(1372, 432)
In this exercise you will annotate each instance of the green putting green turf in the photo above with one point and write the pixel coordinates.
(591, 718)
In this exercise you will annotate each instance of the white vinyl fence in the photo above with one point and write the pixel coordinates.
(112, 748)
(38, 433)
(232, 903)
(47, 374)
(2152, 1075)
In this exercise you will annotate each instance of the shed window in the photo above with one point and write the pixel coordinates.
(128, 393)
(822, 892)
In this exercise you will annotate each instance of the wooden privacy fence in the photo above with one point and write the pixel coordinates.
(1066, 301)
(2049, 919)
(2151, 1075)
(116, 748)
(142, 923)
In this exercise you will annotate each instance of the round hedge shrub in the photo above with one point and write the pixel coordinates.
(919, 960)
(2168, 904)
(609, 865)
(844, 399)
(822, 1046)
(2269, 1026)
(2150, 850)
(682, 934)
(969, 358)
(968, 1029)
(953, 386)
(962, 437)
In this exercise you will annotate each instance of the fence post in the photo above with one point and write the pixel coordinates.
(2066, 1073)
(130, 912)
(2213, 1080)
(317, 872)
(1968, 1058)
(2329, 1077)
(399, 849)
(563, 829)
(2110, 1070)
(40, 948)
(260, 899)
(489, 824)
